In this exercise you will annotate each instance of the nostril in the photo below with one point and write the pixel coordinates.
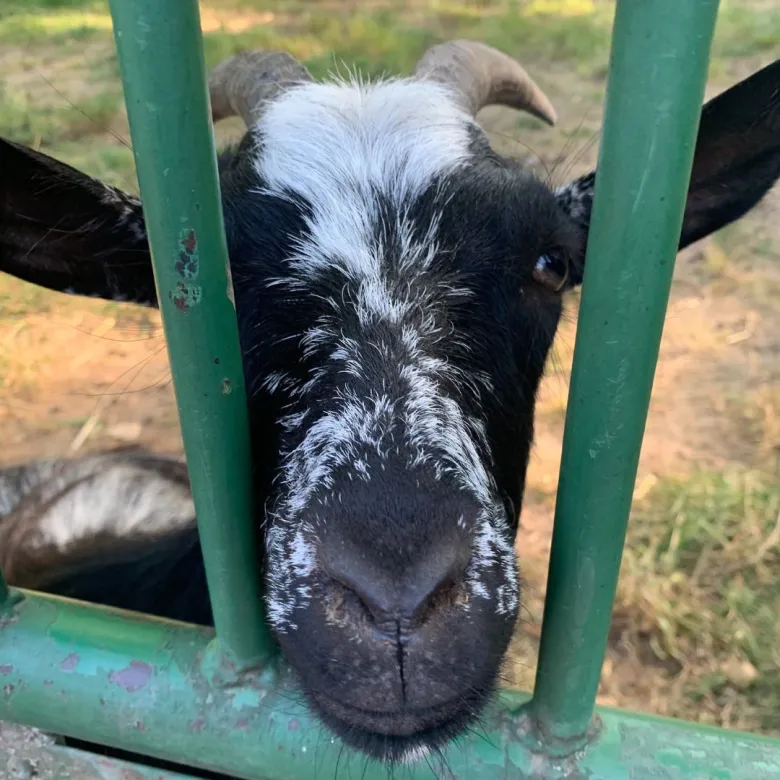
(369, 595)
(404, 595)
(435, 582)
(445, 593)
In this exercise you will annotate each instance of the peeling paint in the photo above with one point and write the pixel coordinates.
(6, 669)
(246, 697)
(227, 387)
(70, 662)
(132, 678)
(188, 264)
(230, 292)
(189, 242)
(186, 295)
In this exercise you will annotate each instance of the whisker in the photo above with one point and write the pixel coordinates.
(116, 135)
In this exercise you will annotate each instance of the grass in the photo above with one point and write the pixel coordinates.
(376, 39)
(744, 32)
(699, 585)
(697, 599)
(27, 123)
(379, 41)
(18, 300)
(111, 162)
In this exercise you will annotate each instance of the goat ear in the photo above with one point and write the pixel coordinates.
(63, 230)
(736, 161)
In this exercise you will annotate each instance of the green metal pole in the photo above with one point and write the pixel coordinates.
(138, 683)
(25, 755)
(656, 81)
(161, 58)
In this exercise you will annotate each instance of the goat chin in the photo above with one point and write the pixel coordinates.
(404, 736)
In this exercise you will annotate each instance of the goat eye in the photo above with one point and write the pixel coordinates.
(552, 271)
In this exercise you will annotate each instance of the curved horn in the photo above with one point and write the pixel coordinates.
(241, 84)
(484, 76)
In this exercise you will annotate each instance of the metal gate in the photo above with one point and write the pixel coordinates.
(212, 699)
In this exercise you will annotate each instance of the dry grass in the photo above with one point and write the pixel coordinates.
(699, 597)
(694, 631)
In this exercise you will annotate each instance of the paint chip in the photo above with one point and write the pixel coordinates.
(132, 678)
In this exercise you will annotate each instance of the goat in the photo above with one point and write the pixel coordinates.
(91, 519)
(397, 285)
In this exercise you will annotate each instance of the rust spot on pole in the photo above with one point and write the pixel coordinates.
(186, 295)
(189, 242)
(188, 264)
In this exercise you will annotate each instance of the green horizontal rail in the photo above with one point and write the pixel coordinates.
(657, 75)
(161, 59)
(36, 756)
(137, 683)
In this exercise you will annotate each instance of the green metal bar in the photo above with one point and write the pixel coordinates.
(137, 683)
(161, 58)
(27, 754)
(656, 81)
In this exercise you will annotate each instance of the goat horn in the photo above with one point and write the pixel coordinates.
(482, 76)
(242, 84)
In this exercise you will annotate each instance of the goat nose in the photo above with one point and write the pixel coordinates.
(398, 591)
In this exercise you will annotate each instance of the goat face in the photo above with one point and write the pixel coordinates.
(397, 286)
(403, 415)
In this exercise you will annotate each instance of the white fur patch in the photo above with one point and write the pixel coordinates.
(337, 145)
(128, 209)
(95, 505)
(100, 494)
(105, 503)
(415, 754)
(340, 147)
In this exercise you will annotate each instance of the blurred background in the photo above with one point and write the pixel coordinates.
(696, 629)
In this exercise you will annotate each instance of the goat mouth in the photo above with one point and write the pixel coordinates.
(401, 736)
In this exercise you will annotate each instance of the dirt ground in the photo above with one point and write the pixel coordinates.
(79, 375)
